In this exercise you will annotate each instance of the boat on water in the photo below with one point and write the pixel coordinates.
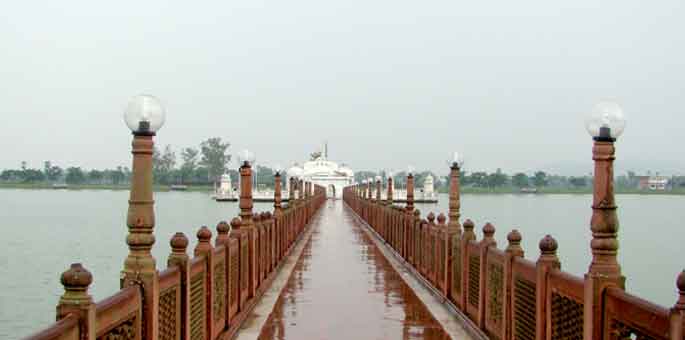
(178, 187)
(60, 186)
(529, 190)
(225, 191)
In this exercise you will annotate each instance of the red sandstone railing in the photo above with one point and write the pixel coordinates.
(505, 295)
(201, 298)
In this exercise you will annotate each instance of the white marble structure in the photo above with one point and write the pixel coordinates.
(325, 173)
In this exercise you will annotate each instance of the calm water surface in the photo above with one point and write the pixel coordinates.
(46, 230)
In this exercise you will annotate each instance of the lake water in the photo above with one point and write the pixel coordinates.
(46, 230)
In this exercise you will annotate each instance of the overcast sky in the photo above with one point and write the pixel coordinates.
(387, 83)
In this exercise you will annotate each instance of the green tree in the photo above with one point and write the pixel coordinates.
(75, 175)
(52, 172)
(540, 179)
(520, 180)
(163, 164)
(95, 176)
(479, 179)
(577, 182)
(497, 179)
(214, 157)
(189, 156)
(33, 176)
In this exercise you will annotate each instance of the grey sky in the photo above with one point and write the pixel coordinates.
(387, 83)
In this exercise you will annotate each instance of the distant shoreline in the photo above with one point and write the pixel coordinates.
(466, 190)
(42, 186)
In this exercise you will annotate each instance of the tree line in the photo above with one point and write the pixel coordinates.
(200, 165)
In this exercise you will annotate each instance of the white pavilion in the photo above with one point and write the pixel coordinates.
(325, 173)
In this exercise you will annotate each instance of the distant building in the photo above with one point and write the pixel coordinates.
(320, 171)
(652, 182)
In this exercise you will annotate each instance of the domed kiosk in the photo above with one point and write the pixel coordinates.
(320, 171)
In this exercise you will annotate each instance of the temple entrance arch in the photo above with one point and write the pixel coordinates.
(330, 191)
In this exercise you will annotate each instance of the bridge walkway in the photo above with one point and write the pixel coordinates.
(343, 287)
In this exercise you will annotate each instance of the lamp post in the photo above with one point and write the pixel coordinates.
(277, 191)
(454, 203)
(605, 124)
(144, 115)
(410, 189)
(369, 193)
(378, 189)
(389, 194)
(246, 159)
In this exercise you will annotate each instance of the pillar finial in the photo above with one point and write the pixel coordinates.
(514, 239)
(222, 230)
(76, 281)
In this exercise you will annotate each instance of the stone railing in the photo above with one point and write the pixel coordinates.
(203, 297)
(505, 295)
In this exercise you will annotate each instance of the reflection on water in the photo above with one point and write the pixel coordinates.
(43, 231)
(343, 288)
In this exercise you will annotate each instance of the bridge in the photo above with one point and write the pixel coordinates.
(361, 268)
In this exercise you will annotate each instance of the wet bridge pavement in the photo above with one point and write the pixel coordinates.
(342, 287)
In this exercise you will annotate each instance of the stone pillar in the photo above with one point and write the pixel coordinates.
(453, 231)
(410, 192)
(179, 258)
(547, 261)
(487, 242)
(76, 300)
(247, 224)
(204, 248)
(454, 203)
(469, 235)
(277, 193)
(139, 266)
(604, 270)
(512, 251)
(378, 190)
(291, 192)
(389, 198)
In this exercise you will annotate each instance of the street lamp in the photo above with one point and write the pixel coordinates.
(605, 123)
(144, 115)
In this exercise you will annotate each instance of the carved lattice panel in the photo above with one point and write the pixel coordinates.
(495, 313)
(567, 318)
(474, 280)
(621, 331)
(524, 309)
(168, 317)
(219, 308)
(197, 307)
(456, 265)
(124, 331)
(244, 264)
(233, 283)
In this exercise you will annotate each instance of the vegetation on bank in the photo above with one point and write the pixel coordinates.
(464, 190)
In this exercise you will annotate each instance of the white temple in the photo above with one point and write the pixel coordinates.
(323, 172)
